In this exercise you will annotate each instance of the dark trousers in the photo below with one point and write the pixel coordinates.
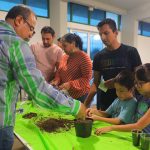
(104, 100)
(82, 98)
(6, 138)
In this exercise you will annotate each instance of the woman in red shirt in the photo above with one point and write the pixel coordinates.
(75, 69)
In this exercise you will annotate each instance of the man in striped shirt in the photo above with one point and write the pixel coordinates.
(18, 68)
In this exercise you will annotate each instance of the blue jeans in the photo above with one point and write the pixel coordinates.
(6, 138)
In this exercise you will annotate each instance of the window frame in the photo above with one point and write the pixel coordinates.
(141, 28)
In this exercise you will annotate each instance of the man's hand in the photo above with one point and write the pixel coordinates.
(100, 131)
(54, 83)
(88, 100)
(65, 86)
(109, 83)
(81, 114)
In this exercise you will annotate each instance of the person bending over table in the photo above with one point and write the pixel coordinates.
(18, 68)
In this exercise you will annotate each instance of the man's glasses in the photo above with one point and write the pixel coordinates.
(30, 26)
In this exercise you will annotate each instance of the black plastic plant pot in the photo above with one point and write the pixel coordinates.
(83, 128)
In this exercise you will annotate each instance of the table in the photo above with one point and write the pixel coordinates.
(36, 139)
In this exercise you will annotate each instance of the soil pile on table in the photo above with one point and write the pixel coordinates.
(29, 115)
(55, 125)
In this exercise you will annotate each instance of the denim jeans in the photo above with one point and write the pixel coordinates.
(6, 138)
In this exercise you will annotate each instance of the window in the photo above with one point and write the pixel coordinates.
(84, 38)
(140, 28)
(8, 4)
(95, 44)
(96, 16)
(40, 7)
(144, 28)
(68, 30)
(80, 14)
(113, 16)
(68, 12)
(91, 42)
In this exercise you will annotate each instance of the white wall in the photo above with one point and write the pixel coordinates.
(2, 15)
(81, 27)
(144, 48)
(58, 15)
(41, 22)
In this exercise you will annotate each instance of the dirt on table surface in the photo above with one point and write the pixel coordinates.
(55, 125)
(29, 115)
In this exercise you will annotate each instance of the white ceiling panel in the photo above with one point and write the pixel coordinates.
(124, 4)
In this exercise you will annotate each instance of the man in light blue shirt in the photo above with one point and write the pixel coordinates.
(122, 110)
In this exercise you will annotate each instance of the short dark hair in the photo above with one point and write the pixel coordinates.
(48, 29)
(125, 78)
(110, 22)
(21, 10)
(142, 72)
(72, 37)
(59, 39)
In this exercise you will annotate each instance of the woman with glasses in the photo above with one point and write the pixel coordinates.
(142, 84)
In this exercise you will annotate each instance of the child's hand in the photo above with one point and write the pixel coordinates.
(94, 117)
(100, 131)
(91, 111)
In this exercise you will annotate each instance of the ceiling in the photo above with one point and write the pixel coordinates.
(125, 4)
(128, 5)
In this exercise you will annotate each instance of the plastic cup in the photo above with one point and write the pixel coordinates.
(136, 137)
(145, 141)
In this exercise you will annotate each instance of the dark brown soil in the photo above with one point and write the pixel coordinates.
(29, 115)
(54, 125)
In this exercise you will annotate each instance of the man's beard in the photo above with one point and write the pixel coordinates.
(46, 45)
(106, 43)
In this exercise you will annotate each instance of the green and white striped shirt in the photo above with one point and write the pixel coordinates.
(18, 68)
